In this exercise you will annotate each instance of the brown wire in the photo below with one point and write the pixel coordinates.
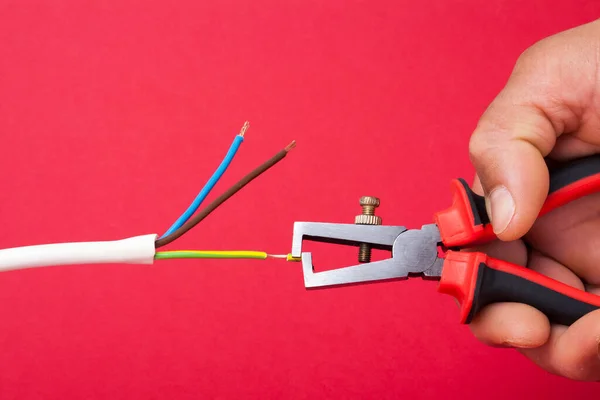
(195, 220)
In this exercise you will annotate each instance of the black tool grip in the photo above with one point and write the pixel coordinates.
(477, 280)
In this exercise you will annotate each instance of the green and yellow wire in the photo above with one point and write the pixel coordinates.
(209, 254)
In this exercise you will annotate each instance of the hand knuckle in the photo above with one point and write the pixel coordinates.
(481, 147)
(484, 157)
(532, 54)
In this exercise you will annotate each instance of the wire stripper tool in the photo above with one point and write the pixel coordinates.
(433, 252)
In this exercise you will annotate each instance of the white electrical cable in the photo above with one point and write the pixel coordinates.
(134, 250)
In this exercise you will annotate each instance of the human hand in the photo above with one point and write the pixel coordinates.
(549, 108)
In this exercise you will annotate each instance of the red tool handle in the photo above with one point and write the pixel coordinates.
(477, 280)
(466, 222)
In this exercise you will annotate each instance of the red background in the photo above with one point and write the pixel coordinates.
(113, 115)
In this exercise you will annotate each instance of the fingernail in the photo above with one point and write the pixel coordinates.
(503, 208)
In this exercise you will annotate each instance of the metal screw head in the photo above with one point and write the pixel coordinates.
(369, 201)
(368, 217)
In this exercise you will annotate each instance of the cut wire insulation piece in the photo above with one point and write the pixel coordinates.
(237, 141)
(196, 219)
(236, 254)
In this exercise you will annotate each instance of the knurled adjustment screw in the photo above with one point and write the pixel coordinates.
(368, 217)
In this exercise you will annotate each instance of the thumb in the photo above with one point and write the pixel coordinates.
(507, 150)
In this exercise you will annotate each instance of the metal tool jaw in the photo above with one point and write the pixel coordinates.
(414, 252)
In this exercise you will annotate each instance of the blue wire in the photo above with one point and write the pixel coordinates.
(208, 187)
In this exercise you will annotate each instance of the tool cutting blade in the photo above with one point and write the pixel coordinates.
(412, 252)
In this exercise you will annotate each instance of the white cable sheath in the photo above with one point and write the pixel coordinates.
(134, 250)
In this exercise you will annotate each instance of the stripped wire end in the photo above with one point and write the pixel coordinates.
(290, 146)
(244, 128)
(287, 257)
(277, 255)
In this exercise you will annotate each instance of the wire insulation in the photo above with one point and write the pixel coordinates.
(196, 219)
(210, 184)
(166, 255)
(134, 250)
(228, 254)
